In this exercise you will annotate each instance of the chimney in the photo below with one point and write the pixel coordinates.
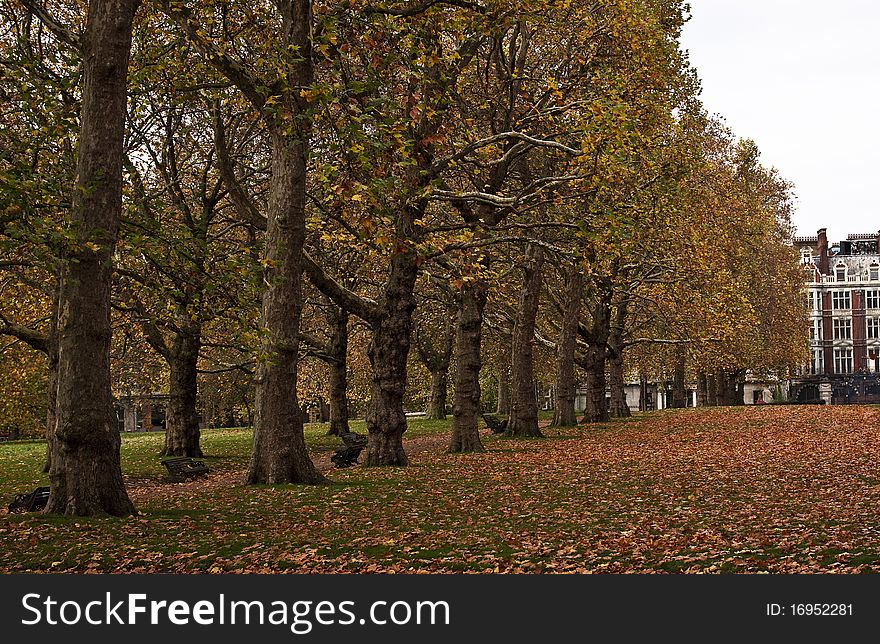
(823, 250)
(877, 241)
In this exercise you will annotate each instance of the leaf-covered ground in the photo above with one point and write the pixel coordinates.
(777, 489)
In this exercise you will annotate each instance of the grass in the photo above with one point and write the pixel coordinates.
(787, 489)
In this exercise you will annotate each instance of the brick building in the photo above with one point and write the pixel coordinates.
(843, 298)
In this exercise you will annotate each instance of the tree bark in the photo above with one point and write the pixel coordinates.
(437, 404)
(593, 364)
(524, 407)
(619, 408)
(643, 393)
(468, 362)
(712, 389)
(702, 389)
(52, 377)
(679, 400)
(564, 414)
(388, 353)
(436, 354)
(182, 434)
(338, 364)
(85, 472)
(279, 453)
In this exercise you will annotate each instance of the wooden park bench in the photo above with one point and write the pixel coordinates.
(182, 468)
(348, 455)
(496, 425)
(33, 502)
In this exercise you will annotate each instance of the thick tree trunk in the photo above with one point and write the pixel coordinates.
(468, 361)
(727, 391)
(182, 432)
(437, 404)
(564, 414)
(594, 366)
(702, 389)
(619, 408)
(338, 319)
(524, 406)
(388, 353)
(712, 389)
(679, 400)
(85, 473)
(279, 452)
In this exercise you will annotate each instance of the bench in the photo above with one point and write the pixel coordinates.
(183, 467)
(348, 455)
(33, 502)
(495, 425)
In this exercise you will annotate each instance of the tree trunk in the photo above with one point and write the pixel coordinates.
(712, 389)
(594, 366)
(679, 400)
(564, 414)
(524, 407)
(726, 387)
(85, 473)
(147, 413)
(388, 352)
(619, 406)
(436, 354)
(643, 393)
(702, 389)
(338, 319)
(182, 432)
(52, 383)
(468, 362)
(279, 452)
(503, 405)
(437, 404)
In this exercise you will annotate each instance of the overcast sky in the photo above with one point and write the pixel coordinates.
(801, 78)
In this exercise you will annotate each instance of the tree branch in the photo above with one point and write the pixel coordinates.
(61, 31)
(364, 308)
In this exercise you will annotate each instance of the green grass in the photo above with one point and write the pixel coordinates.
(693, 491)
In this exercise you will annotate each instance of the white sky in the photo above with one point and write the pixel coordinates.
(801, 78)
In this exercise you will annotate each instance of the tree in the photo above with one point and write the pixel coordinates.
(524, 407)
(281, 99)
(85, 473)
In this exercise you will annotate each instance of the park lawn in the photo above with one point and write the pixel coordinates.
(757, 489)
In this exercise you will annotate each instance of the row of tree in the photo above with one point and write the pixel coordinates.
(282, 199)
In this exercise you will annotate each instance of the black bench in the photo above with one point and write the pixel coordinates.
(495, 425)
(348, 455)
(183, 467)
(33, 502)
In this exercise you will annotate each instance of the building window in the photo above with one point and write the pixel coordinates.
(816, 330)
(874, 328)
(840, 273)
(872, 299)
(874, 272)
(840, 300)
(806, 256)
(817, 364)
(843, 361)
(817, 301)
(842, 328)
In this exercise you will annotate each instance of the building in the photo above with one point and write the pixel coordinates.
(843, 298)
